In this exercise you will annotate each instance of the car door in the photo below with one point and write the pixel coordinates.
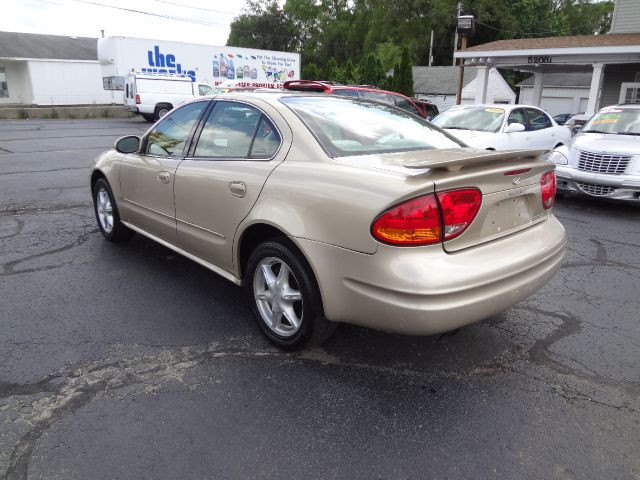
(516, 139)
(233, 153)
(540, 129)
(147, 178)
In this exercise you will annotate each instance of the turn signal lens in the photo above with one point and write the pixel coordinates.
(415, 222)
(459, 208)
(548, 189)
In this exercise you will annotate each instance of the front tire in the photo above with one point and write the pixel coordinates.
(285, 298)
(107, 216)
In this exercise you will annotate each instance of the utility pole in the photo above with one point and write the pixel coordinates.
(455, 40)
(466, 27)
(431, 49)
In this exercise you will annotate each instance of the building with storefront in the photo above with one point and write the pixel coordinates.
(612, 60)
(561, 92)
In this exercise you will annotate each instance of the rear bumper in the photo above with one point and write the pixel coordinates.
(616, 187)
(421, 291)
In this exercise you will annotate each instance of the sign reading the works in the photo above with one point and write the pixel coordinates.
(541, 59)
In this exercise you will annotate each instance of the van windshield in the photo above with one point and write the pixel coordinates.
(348, 126)
(617, 120)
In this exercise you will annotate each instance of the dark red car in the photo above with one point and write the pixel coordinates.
(362, 91)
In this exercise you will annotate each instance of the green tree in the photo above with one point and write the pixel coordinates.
(331, 70)
(405, 83)
(368, 71)
(310, 72)
(349, 72)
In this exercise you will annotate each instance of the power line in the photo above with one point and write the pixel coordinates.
(198, 8)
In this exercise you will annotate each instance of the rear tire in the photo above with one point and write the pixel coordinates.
(107, 216)
(285, 298)
(161, 110)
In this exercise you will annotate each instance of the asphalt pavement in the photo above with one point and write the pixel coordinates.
(129, 361)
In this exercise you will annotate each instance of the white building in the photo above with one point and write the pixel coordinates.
(439, 85)
(612, 60)
(561, 92)
(51, 70)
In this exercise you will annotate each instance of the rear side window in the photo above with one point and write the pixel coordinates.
(345, 92)
(378, 97)
(538, 120)
(237, 130)
(405, 104)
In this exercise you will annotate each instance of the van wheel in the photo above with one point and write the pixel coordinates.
(161, 111)
(148, 117)
(285, 298)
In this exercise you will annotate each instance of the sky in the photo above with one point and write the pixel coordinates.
(194, 21)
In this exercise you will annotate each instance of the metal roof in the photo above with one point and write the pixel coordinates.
(440, 80)
(577, 79)
(32, 45)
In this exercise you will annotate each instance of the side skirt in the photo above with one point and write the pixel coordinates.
(223, 273)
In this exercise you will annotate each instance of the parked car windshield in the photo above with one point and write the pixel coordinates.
(346, 126)
(619, 120)
(483, 119)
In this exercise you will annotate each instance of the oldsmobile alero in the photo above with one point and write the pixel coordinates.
(332, 210)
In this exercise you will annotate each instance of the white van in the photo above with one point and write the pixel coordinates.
(153, 96)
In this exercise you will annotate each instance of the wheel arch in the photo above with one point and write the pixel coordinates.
(259, 232)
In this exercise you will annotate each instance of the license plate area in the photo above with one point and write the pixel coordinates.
(502, 213)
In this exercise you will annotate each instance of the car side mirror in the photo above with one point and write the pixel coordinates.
(128, 144)
(514, 127)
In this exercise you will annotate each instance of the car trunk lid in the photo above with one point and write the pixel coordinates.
(510, 186)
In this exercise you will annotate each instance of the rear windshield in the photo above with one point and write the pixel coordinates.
(346, 126)
(484, 119)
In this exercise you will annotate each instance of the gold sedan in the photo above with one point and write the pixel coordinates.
(332, 210)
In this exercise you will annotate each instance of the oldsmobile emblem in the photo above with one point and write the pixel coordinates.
(516, 181)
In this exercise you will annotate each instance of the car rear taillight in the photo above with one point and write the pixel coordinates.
(548, 189)
(459, 208)
(137, 99)
(419, 221)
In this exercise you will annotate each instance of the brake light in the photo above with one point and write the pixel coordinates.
(419, 221)
(459, 208)
(548, 189)
(415, 222)
(137, 99)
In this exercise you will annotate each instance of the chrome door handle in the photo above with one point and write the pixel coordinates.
(164, 177)
(237, 189)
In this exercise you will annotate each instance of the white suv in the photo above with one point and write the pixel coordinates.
(603, 160)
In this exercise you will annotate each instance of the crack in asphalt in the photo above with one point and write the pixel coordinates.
(8, 268)
(25, 210)
(17, 229)
(69, 392)
(540, 354)
(26, 172)
(602, 258)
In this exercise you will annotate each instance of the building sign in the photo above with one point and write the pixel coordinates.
(541, 59)
(202, 63)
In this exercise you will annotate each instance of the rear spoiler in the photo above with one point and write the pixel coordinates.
(455, 159)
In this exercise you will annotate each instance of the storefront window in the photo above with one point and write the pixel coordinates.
(4, 89)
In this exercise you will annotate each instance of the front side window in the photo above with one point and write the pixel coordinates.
(4, 88)
(482, 119)
(345, 126)
(538, 120)
(237, 130)
(517, 116)
(170, 136)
